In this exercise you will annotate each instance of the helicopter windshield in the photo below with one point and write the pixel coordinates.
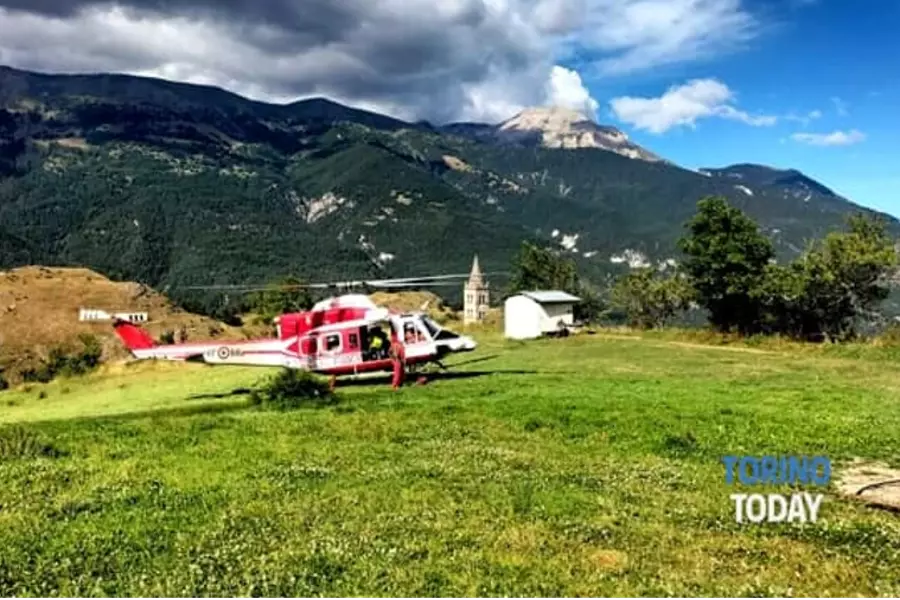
(431, 326)
(435, 330)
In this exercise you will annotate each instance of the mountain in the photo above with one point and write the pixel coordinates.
(177, 185)
(792, 182)
(554, 127)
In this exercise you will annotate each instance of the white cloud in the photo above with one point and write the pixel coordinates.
(835, 138)
(642, 34)
(840, 106)
(683, 106)
(566, 89)
(454, 59)
(804, 119)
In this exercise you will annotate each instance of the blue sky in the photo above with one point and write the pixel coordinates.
(827, 67)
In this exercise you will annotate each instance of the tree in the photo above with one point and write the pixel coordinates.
(841, 278)
(726, 263)
(591, 307)
(650, 300)
(287, 296)
(538, 268)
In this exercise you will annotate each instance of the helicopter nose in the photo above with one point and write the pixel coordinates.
(467, 343)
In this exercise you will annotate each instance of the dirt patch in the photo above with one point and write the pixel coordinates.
(608, 560)
(874, 483)
(455, 163)
(73, 142)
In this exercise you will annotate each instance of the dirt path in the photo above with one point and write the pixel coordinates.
(664, 343)
(874, 483)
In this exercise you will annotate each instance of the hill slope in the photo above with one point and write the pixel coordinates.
(39, 310)
(173, 185)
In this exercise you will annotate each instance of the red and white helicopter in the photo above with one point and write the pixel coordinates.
(333, 338)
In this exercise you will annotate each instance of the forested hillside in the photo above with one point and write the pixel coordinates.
(176, 185)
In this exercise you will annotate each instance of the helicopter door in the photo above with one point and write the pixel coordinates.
(307, 351)
(354, 348)
(374, 342)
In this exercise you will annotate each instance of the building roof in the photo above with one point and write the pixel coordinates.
(550, 296)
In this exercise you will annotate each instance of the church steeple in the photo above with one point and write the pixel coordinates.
(475, 277)
(475, 295)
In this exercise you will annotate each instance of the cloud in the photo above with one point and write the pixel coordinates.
(642, 34)
(566, 89)
(453, 59)
(840, 106)
(683, 106)
(804, 119)
(835, 138)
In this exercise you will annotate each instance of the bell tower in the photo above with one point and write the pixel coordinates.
(475, 296)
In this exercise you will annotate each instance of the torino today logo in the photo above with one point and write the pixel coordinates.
(801, 507)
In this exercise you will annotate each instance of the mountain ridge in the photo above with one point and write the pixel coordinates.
(178, 186)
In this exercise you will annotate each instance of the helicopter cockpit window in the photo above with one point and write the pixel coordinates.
(414, 333)
(431, 326)
(436, 332)
(332, 342)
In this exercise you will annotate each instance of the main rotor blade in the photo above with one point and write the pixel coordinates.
(424, 281)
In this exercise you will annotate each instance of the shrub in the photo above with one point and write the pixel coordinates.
(889, 337)
(61, 361)
(292, 389)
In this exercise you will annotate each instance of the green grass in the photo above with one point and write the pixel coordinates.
(586, 466)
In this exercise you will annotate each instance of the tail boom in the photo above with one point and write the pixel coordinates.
(269, 352)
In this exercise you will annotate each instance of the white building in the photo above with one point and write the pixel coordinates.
(476, 297)
(93, 314)
(530, 315)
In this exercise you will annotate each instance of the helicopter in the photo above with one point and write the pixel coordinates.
(333, 338)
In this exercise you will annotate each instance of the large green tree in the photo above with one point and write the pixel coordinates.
(650, 299)
(726, 264)
(536, 268)
(840, 280)
(287, 296)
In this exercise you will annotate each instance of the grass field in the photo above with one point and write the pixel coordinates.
(586, 466)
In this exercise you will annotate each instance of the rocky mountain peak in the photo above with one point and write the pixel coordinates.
(546, 118)
(559, 127)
